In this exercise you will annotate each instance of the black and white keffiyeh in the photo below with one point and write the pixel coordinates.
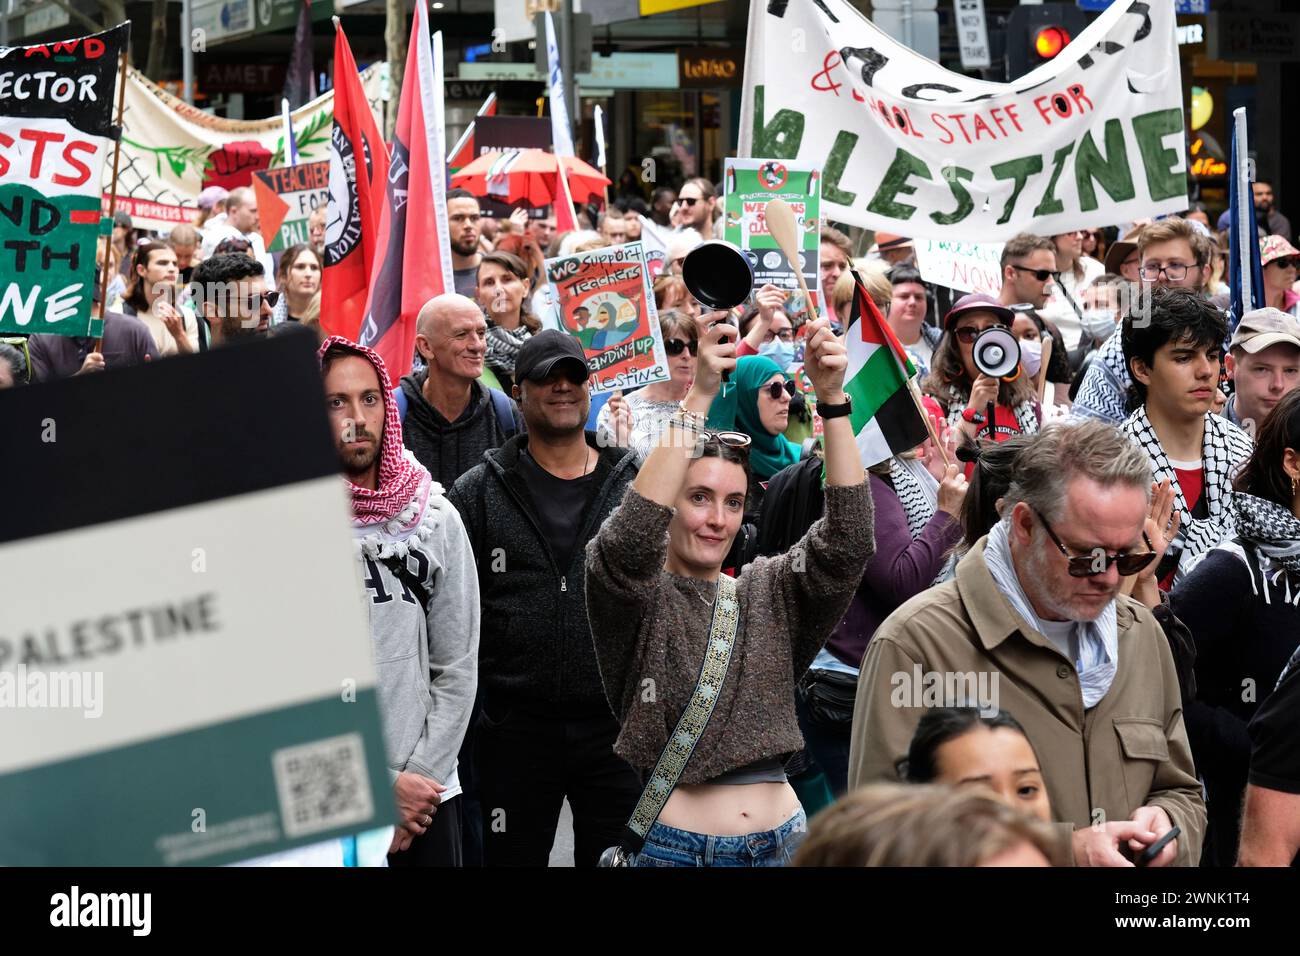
(918, 491)
(1026, 412)
(1273, 534)
(1224, 449)
(920, 499)
(1103, 393)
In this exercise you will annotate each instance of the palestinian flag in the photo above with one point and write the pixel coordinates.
(885, 416)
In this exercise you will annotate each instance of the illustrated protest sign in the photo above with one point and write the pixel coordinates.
(185, 667)
(1093, 136)
(286, 198)
(56, 123)
(749, 184)
(603, 299)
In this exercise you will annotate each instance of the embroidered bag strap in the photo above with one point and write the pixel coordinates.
(690, 726)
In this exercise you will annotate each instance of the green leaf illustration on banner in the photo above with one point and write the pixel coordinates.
(178, 158)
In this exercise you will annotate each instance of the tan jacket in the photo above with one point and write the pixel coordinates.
(1128, 751)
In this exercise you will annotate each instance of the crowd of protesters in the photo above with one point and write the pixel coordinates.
(1062, 631)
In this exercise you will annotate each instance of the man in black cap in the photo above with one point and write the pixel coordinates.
(545, 731)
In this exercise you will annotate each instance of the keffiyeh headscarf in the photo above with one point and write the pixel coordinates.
(1224, 449)
(393, 511)
(1274, 534)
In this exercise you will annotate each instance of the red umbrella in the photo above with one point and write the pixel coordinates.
(529, 176)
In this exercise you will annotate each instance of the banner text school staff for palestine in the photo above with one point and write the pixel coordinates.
(1094, 137)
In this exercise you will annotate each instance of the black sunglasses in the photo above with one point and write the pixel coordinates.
(690, 202)
(970, 333)
(677, 346)
(776, 390)
(254, 302)
(1289, 262)
(1042, 275)
(1084, 566)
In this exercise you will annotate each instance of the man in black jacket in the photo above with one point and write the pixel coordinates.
(546, 731)
(452, 418)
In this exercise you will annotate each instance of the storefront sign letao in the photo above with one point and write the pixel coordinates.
(710, 68)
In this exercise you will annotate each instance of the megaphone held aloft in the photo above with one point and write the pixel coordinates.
(997, 353)
(718, 274)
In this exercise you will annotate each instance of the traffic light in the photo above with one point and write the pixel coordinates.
(1038, 33)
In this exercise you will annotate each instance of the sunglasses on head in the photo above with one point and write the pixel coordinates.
(677, 346)
(970, 333)
(777, 390)
(730, 439)
(1085, 565)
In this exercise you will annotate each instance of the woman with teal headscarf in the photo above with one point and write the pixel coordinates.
(750, 406)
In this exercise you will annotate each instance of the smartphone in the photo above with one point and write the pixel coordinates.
(1150, 853)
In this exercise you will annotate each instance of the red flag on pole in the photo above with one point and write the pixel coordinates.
(358, 172)
(414, 261)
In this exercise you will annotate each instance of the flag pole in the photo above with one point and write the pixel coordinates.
(112, 198)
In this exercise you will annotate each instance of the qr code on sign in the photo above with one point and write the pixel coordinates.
(322, 785)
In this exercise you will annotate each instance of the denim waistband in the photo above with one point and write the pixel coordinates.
(752, 844)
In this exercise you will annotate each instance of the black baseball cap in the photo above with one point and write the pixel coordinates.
(543, 351)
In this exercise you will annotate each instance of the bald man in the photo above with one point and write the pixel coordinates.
(452, 418)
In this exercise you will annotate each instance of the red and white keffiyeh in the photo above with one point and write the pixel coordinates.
(404, 484)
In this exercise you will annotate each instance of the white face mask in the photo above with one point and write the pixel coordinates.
(1031, 355)
(1099, 323)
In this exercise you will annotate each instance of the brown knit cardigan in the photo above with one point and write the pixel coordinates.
(650, 628)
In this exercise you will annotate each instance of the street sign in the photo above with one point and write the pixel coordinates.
(972, 34)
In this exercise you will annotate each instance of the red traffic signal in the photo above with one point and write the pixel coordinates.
(1049, 41)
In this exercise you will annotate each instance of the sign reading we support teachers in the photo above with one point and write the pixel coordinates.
(1094, 136)
(56, 115)
(604, 300)
(186, 673)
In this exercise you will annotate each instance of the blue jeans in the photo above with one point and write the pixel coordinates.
(669, 846)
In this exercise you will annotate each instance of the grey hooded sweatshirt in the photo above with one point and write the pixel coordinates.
(426, 658)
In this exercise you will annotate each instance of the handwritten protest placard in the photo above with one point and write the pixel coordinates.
(286, 198)
(603, 299)
(961, 265)
(1093, 136)
(56, 104)
(749, 184)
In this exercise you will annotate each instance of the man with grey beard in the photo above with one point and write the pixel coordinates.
(1037, 603)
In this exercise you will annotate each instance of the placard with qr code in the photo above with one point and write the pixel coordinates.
(186, 669)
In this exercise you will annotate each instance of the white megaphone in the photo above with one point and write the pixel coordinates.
(997, 354)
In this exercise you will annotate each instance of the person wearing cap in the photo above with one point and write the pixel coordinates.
(1264, 365)
(963, 392)
(1122, 257)
(1279, 260)
(1241, 606)
(212, 207)
(894, 249)
(546, 731)
(1173, 354)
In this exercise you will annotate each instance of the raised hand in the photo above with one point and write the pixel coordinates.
(825, 360)
(717, 355)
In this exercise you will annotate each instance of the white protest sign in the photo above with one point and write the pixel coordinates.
(905, 146)
(960, 265)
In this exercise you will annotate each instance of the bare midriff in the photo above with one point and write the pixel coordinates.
(728, 810)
